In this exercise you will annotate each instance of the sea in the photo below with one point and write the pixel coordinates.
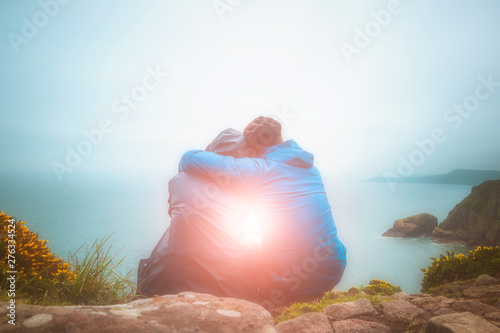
(133, 212)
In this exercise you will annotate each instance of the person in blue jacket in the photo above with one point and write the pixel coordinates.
(202, 251)
(301, 254)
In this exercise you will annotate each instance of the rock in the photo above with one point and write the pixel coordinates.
(185, 312)
(413, 226)
(440, 233)
(359, 326)
(312, 322)
(443, 311)
(460, 323)
(474, 307)
(38, 320)
(485, 280)
(441, 236)
(494, 318)
(454, 289)
(401, 296)
(357, 308)
(432, 304)
(476, 217)
(401, 311)
(482, 291)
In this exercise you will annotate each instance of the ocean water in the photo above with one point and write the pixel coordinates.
(364, 211)
(134, 212)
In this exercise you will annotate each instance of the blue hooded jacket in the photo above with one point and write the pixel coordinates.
(301, 253)
(201, 251)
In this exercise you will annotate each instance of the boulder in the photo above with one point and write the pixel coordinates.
(460, 323)
(401, 311)
(357, 308)
(477, 217)
(485, 280)
(483, 291)
(449, 237)
(401, 296)
(443, 311)
(185, 312)
(474, 307)
(432, 304)
(493, 318)
(312, 322)
(359, 326)
(413, 226)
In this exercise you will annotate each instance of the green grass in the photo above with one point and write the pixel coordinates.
(373, 292)
(96, 281)
(450, 290)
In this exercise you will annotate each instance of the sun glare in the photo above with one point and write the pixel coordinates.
(251, 230)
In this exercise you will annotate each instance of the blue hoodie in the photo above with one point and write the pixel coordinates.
(301, 253)
(201, 249)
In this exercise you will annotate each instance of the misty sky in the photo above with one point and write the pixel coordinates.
(366, 86)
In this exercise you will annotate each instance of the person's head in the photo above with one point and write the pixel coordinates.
(230, 143)
(263, 132)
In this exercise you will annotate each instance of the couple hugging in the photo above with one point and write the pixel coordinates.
(300, 255)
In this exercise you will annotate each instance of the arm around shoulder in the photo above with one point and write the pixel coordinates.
(204, 163)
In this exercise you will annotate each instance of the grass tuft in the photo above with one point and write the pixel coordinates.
(96, 281)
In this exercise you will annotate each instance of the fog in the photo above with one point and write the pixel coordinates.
(367, 86)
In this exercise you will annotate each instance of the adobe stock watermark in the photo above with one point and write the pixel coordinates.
(122, 107)
(371, 30)
(222, 7)
(48, 9)
(11, 271)
(283, 115)
(454, 118)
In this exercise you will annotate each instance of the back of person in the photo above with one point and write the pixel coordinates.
(301, 251)
(201, 250)
(301, 254)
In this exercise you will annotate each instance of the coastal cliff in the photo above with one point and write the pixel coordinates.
(475, 220)
(459, 177)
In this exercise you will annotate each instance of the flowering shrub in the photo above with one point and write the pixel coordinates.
(379, 287)
(450, 268)
(32, 256)
(36, 266)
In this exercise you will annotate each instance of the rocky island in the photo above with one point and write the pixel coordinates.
(413, 226)
(474, 221)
